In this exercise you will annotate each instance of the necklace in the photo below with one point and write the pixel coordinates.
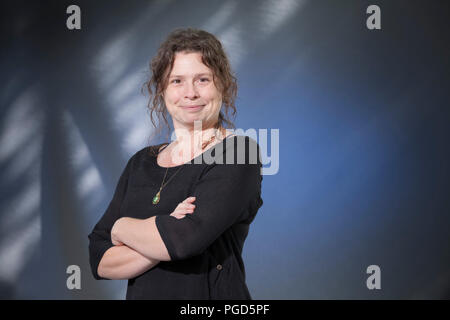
(157, 197)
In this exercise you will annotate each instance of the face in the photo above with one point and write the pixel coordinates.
(191, 94)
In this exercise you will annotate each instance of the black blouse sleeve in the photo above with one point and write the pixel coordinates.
(223, 194)
(100, 237)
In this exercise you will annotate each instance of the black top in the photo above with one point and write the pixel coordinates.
(206, 246)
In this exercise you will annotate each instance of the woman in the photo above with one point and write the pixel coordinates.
(177, 223)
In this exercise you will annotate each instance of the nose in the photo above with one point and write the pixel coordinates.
(190, 91)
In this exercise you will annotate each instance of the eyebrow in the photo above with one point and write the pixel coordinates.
(196, 75)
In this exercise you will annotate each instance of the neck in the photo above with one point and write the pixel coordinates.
(191, 142)
(197, 134)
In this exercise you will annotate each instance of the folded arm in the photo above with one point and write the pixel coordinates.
(142, 236)
(223, 195)
(122, 262)
(109, 260)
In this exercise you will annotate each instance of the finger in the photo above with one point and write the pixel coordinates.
(183, 207)
(183, 210)
(179, 215)
(187, 206)
(176, 215)
(189, 200)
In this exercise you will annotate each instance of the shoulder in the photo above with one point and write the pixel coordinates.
(236, 165)
(147, 152)
(241, 149)
(237, 156)
(143, 156)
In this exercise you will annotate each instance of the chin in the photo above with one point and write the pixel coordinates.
(190, 122)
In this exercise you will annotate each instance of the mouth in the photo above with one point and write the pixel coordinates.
(193, 108)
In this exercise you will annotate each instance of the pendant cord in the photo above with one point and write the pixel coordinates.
(164, 184)
(158, 194)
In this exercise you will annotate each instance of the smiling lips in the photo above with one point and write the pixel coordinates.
(193, 108)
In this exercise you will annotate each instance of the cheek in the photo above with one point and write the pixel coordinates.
(213, 96)
(171, 97)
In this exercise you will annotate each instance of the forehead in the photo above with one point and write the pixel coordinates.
(188, 64)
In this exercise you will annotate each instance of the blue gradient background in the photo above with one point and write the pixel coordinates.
(363, 119)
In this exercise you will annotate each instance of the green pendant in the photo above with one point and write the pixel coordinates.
(156, 198)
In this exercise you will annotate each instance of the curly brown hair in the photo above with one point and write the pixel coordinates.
(213, 56)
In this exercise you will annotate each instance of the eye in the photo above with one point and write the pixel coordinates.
(175, 81)
(204, 80)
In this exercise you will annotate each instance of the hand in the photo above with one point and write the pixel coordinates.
(183, 208)
(114, 234)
